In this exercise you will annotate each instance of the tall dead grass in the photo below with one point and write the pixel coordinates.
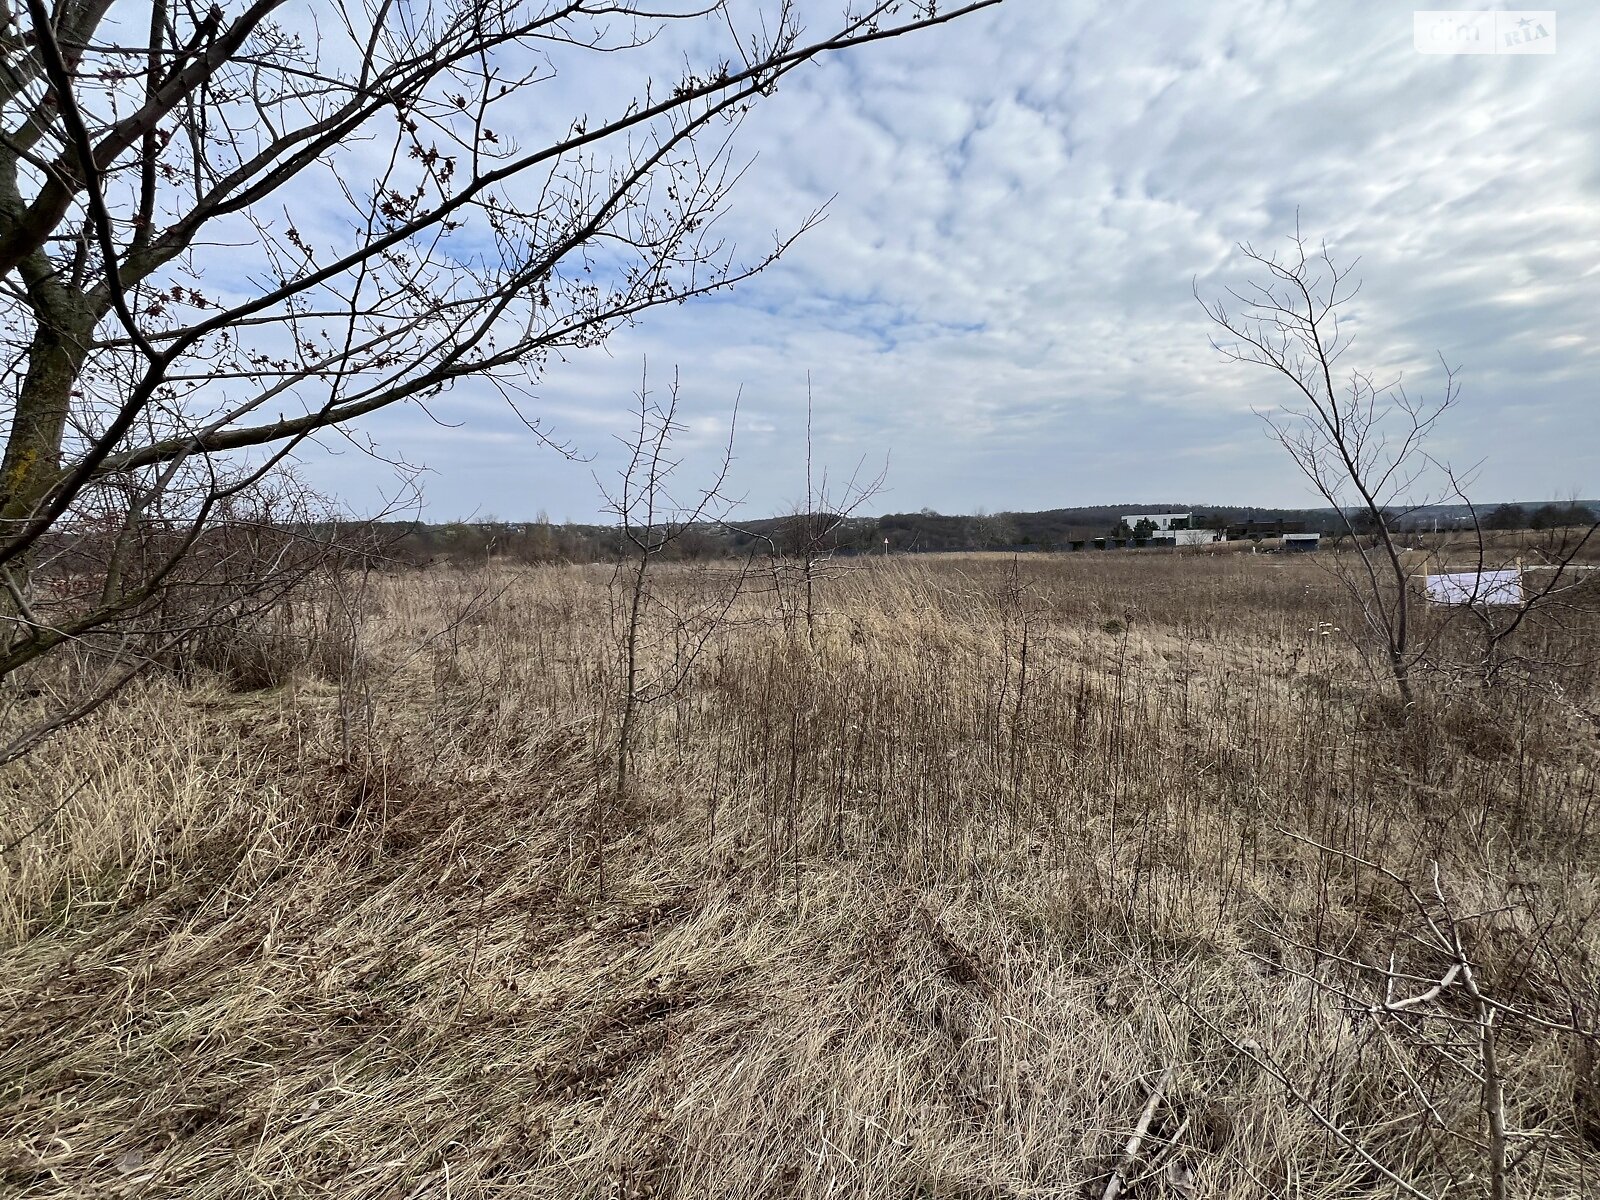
(919, 907)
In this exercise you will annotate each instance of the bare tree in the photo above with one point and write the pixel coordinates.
(801, 550)
(993, 530)
(661, 638)
(225, 232)
(826, 510)
(1361, 441)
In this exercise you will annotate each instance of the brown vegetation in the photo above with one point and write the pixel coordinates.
(922, 905)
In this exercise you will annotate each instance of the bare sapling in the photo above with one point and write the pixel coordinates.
(801, 553)
(1018, 603)
(1360, 440)
(660, 637)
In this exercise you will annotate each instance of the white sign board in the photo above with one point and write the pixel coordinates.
(1476, 587)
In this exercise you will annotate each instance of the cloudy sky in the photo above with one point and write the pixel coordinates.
(1000, 299)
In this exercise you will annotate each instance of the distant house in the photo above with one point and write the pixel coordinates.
(1173, 529)
(1301, 543)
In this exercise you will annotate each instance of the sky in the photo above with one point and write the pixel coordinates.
(1020, 207)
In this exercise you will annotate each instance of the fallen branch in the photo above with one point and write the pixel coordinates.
(1130, 1152)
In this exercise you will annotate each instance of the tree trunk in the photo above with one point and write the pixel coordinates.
(32, 459)
(1402, 682)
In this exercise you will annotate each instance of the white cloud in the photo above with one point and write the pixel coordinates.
(1001, 294)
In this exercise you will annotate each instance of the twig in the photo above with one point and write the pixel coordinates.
(1130, 1152)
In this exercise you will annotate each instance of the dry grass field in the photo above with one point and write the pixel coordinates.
(936, 899)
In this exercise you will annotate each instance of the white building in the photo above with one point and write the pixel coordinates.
(1173, 529)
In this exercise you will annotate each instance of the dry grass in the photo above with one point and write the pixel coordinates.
(899, 911)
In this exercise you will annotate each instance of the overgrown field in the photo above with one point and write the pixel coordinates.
(927, 897)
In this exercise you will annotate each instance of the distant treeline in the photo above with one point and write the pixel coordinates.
(1544, 516)
(466, 542)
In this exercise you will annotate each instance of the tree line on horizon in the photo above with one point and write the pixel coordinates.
(420, 543)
